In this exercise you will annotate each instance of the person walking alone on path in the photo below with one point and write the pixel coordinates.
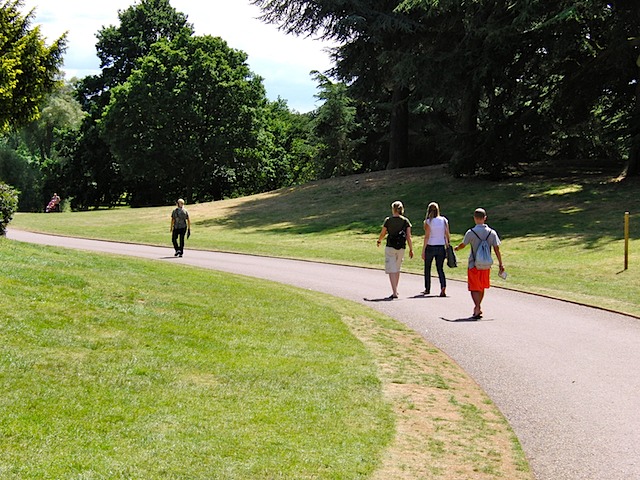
(478, 279)
(397, 229)
(180, 225)
(436, 240)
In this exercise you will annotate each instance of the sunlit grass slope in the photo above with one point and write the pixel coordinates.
(562, 237)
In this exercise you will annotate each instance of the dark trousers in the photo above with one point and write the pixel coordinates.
(178, 233)
(436, 252)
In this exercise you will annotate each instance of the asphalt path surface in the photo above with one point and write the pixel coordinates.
(567, 377)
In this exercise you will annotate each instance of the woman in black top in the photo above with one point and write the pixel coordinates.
(397, 229)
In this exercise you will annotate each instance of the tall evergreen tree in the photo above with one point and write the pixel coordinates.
(334, 125)
(373, 38)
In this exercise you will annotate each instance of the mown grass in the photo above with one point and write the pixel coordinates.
(132, 369)
(562, 237)
(121, 368)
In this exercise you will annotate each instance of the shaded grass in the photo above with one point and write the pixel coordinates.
(562, 237)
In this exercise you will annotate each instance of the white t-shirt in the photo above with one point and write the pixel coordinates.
(437, 229)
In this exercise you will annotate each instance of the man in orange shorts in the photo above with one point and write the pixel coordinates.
(478, 279)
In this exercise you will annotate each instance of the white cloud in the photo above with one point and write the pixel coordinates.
(284, 61)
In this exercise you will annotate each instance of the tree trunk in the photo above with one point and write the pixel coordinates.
(399, 129)
(633, 164)
(467, 125)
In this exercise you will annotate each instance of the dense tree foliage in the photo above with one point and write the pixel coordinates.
(30, 158)
(141, 26)
(334, 126)
(177, 124)
(283, 153)
(60, 111)
(91, 169)
(487, 84)
(375, 42)
(28, 68)
(18, 170)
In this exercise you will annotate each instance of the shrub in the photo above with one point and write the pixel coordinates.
(8, 205)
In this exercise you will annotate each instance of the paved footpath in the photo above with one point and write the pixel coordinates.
(566, 377)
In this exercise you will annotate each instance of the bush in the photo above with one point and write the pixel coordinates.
(17, 169)
(8, 205)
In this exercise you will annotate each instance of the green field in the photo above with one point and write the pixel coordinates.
(562, 237)
(123, 368)
(119, 368)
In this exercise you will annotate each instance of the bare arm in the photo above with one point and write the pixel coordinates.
(410, 242)
(383, 233)
(499, 257)
(427, 233)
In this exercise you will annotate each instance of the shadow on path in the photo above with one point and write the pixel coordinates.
(466, 319)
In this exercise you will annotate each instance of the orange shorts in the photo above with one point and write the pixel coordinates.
(478, 280)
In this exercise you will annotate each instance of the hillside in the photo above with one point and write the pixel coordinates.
(561, 237)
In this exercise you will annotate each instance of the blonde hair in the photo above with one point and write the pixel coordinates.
(397, 207)
(433, 211)
(180, 202)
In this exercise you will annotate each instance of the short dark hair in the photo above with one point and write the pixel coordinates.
(480, 213)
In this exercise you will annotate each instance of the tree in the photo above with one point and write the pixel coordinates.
(494, 83)
(334, 125)
(627, 15)
(120, 47)
(177, 124)
(60, 111)
(86, 168)
(91, 168)
(17, 170)
(588, 70)
(374, 38)
(28, 68)
(283, 152)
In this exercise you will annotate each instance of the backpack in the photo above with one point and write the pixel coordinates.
(398, 240)
(482, 256)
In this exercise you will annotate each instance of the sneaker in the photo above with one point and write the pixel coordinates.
(176, 254)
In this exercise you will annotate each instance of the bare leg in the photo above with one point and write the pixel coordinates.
(394, 278)
(477, 297)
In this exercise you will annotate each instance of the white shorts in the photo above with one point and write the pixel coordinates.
(393, 259)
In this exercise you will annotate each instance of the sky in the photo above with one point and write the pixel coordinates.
(283, 61)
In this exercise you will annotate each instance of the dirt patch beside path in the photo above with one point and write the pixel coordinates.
(446, 426)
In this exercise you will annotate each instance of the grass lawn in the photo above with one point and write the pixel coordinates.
(122, 368)
(561, 237)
